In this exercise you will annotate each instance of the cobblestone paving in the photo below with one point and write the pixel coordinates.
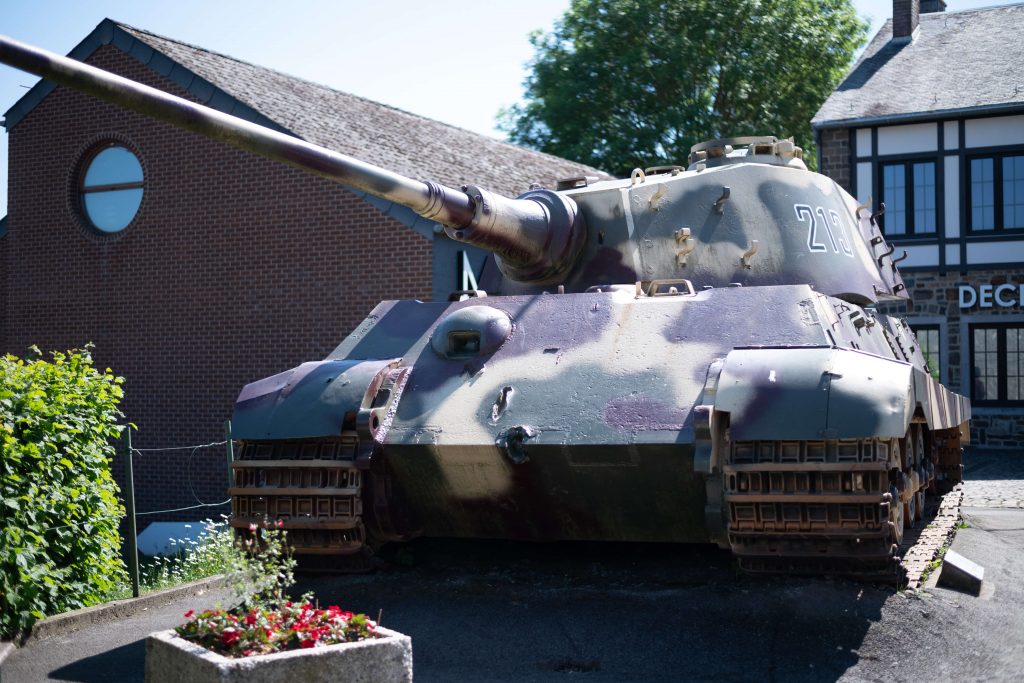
(994, 479)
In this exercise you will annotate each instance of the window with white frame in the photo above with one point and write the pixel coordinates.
(908, 189)
(995, 192)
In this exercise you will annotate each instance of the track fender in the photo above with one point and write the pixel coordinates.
(310, 401)
(942, 409)
(815, 393)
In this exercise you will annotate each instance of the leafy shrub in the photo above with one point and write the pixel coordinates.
(261, 568)
(59, 543)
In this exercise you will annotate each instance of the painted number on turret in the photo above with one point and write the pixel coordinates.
(821, 226)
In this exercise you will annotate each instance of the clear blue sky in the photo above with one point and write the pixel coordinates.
(449, 60)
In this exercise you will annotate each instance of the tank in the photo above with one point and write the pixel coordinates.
(689, 355)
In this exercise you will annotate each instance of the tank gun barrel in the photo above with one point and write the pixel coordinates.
(536, 237)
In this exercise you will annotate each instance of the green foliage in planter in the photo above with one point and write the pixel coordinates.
(59, 543)
(260, 569)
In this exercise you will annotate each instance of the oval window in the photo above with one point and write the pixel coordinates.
(112, 189)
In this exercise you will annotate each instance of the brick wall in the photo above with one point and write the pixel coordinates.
(936, 295)
(235, 268)
(835, 156)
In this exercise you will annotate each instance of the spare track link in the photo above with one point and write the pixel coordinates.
(817, 507)
(314, 487)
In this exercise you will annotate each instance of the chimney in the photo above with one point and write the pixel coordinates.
(930, 6)
(905, 18)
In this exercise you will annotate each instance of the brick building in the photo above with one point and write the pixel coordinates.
(930, 122)
(196, 268)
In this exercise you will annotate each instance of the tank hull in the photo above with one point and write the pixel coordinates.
(798, 432)
(586, 494)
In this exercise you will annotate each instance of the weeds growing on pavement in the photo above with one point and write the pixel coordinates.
(207, 555)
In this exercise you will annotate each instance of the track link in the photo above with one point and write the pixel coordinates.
(814, 507)
(313, 487)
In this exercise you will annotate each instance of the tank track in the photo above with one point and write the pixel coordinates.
(336, 506)
(313, 487)
(836, 507)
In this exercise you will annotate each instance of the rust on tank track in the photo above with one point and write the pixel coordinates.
(313, 487)
(841, 507)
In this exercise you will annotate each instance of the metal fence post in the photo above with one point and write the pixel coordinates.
(129, 496)
(230, 452)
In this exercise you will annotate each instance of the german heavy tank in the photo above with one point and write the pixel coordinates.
(691, 354)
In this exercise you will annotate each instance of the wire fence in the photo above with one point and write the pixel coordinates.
(131, 515)
(199, 503)
(188, 472)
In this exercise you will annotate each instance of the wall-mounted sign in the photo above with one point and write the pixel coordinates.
(988, 296)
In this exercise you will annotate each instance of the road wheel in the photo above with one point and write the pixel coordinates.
(910, 511)
(896, 519)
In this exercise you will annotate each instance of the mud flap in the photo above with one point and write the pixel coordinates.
(796, 448)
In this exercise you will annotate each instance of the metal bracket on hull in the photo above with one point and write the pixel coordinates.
(709, 431)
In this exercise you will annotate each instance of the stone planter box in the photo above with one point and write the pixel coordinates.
(388, 658)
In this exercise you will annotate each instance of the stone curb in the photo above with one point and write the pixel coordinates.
(68, 622)
(922, 550)
(6, 648)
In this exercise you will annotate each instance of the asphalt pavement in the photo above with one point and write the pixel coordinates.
(495, 611)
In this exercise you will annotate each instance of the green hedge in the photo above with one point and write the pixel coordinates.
(59, 543)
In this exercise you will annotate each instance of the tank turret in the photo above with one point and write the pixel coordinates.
(686, 355)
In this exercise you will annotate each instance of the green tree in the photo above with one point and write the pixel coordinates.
(624, 83)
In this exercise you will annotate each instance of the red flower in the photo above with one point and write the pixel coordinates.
(229, 637)
(250, 618)
(308, 642)
(280, 523)
(252, 526)
(188, 614)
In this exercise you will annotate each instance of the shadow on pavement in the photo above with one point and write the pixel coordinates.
(502, 611)
(125, 663)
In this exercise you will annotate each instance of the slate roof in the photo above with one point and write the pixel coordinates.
(966, 60)
(412, 145)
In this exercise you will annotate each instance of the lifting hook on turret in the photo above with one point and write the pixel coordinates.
(888, 253)
(876, 214)
(720, 202)
(749, 254)
(861, 207)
